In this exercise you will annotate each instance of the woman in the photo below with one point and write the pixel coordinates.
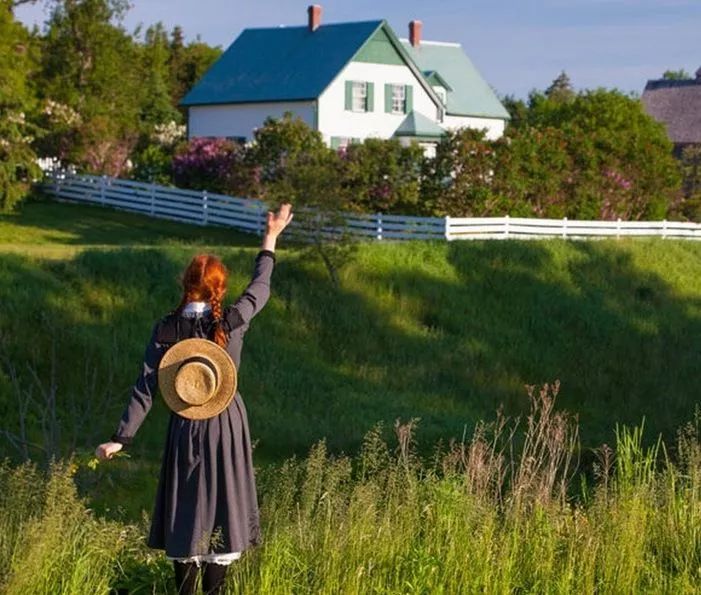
(206, 511)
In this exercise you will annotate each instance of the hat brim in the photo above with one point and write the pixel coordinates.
(174, 358)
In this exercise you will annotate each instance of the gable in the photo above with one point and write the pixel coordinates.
(379, 50)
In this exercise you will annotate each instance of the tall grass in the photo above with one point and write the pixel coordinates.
(498, 513)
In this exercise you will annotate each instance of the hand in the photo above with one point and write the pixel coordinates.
(107, 450)
(277, 222)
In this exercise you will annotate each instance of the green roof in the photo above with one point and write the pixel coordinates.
(470, 94)
(280, 64)
(417, 125)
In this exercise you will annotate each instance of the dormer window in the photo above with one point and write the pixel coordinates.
(442, 94)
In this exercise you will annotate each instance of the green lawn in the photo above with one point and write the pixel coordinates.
(446, 332)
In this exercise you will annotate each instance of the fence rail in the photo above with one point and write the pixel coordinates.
(248, 215)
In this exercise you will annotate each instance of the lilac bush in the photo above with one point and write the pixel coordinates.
(214, 164)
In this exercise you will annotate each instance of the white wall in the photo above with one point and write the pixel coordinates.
(241, 119)
(334, 120)
(495, 126)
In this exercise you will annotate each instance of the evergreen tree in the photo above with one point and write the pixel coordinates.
(560, 89)
(157, 107)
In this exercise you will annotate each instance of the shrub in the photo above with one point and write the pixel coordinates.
(382, 176)
(214, 164)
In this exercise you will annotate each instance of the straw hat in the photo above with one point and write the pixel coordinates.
(197, 378)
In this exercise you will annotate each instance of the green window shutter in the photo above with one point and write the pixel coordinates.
(409, 99)
(335, 142)
(388, 99)
(370, 105)
(349, 95)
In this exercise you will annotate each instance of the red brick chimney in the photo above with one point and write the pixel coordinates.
(415, 33)
(314, 17)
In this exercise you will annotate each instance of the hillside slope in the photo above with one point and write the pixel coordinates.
(443, 332)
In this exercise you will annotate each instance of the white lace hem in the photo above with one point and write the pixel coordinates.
(223, 559)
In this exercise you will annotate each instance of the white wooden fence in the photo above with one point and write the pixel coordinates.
(248, 215)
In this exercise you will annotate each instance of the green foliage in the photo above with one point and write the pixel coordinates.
(676, 75)
(104, 92)
(560, 90)
(17, 159)
(188, 62)
(157, 106)
(291, 163)
(382, 176)
(154, 164)
(591, 155)
(690, 206)
(458, 180)
(385, 520)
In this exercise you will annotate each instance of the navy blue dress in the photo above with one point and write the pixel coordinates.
(206, 497)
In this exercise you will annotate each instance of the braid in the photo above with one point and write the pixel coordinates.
(220, 337)
(205, 279)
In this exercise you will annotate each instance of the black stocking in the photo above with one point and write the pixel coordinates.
(185, 577)
(213, 578)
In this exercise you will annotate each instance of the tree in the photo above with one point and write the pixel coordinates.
(560, 89)
(17, 159)
(157, 106)
(88, 67)
(293, 164)
(458, 181)
(188, 63)
(382, 176)
(517, 108)
(676, 75)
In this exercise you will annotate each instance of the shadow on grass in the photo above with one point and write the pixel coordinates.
(447, 338)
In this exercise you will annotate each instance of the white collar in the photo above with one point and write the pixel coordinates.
(195, 308)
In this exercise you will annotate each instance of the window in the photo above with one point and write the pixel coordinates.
(342, 142)
(360, 96)
(442, 95)
(398, 99)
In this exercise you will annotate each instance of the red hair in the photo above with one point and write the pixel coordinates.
(204, 280)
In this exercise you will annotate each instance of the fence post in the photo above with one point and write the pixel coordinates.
(664, 228)
(153, 198)
(618, 228)
(261, 218)
(564, 228)
(506, 226)
(446, 229)
(379, 226)
(57, 183)
(103, 183)
(204, 207)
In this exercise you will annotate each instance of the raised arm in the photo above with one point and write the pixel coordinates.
(257, 293)
(140, 401)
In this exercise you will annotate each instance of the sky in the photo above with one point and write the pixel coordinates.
(517, 45)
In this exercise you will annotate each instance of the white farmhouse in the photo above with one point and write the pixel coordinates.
(349, 81)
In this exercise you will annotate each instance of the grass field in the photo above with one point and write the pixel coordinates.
(444, 332)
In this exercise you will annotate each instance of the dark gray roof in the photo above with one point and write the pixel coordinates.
(677, 104)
